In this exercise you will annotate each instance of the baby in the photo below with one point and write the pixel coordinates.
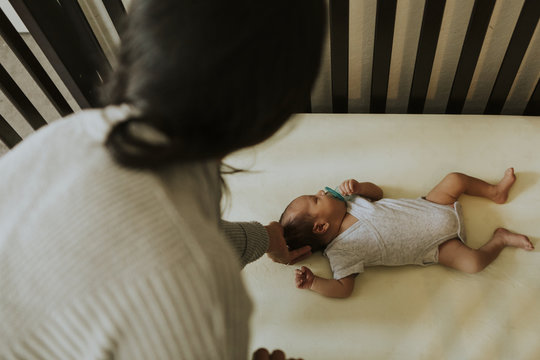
(367, 230)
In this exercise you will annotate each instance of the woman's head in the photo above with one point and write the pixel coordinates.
(213, 76)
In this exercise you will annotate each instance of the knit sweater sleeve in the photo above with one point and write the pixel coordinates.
(249, 239)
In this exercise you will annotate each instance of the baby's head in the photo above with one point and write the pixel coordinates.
(298, 231)
(312, 220)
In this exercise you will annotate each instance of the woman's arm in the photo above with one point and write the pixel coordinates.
(251, 240)
(364, 189)
(341, 288)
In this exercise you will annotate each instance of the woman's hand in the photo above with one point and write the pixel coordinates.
(304, 278)
(278, 250)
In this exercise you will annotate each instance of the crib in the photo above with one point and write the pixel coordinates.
(408, 91)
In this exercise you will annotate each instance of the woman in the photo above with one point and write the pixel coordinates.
(111, 243)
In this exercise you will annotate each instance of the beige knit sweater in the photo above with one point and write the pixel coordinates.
(98, 261)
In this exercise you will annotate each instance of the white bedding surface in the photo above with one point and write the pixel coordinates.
(406, 312)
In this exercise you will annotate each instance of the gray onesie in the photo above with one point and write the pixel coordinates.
(393, 232)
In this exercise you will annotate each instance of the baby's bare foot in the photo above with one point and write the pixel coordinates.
(503, 187)
(512, 239)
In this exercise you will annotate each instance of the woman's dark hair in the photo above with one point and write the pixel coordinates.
(298, 232)
(211, 76)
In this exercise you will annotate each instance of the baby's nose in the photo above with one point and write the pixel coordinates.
(321, 192)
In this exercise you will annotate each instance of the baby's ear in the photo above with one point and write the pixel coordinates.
(320, 227)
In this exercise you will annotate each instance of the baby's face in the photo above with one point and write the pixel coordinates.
(320, 206)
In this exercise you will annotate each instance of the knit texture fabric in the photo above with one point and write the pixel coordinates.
(98, 261)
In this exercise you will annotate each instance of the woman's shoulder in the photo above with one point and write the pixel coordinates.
(92, 123)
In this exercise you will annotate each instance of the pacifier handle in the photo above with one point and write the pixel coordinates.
(334, 193)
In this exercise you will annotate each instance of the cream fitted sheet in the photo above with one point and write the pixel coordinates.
(405, 312)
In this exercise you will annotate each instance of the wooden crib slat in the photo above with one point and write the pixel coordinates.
(533, 106)
(521, 37)
(382, 53)
(308, 108)
(470, 51)
(339, 52)
(116, 11)
(67, 40)
(427, 45)
(7, 134)
(32, 65)
(14, 93)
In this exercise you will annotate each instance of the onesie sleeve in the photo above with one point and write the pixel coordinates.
(249, 239)
(344, 263)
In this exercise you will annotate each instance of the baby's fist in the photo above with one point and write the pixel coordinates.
(304, 278)
(349, 187)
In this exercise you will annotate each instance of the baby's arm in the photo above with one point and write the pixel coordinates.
(364, 189)
(341, 288)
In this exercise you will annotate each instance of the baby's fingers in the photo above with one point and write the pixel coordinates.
(343, 189)
(350, 187)
(300, 277)
(353, 186)
(347, 187)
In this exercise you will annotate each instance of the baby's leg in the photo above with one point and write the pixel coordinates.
(454, 184)
(455, 254)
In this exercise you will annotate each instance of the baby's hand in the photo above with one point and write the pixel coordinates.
(304, 278)
(349, 187)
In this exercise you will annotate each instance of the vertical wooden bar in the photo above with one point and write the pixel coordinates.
(116, 11)
(19, 100)
(339, 54)
(7, 134)
(65, 37)
(533, 105)
(32, 65)
(472, 45)
(382, 53)
(521, 37)
(427, 45)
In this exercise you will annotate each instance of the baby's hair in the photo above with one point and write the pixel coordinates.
(298, 232)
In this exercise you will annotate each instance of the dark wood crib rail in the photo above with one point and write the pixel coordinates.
(64, 35)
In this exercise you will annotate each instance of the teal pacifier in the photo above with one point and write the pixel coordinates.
(334, 193)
